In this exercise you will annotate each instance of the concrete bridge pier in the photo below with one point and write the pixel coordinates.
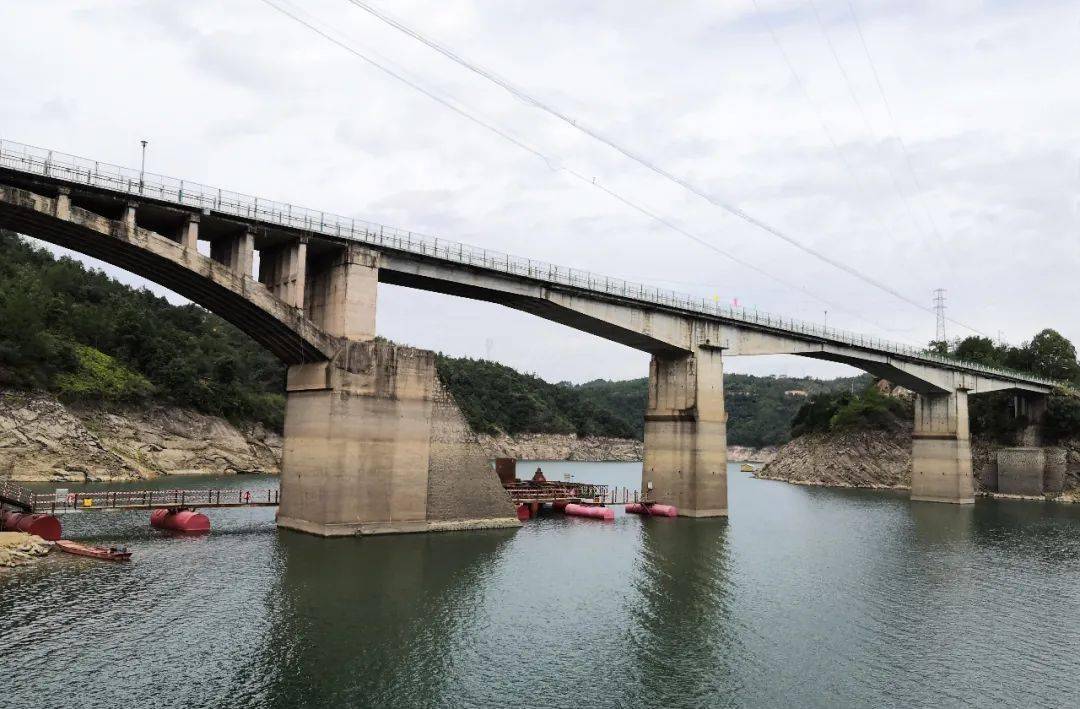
(1031, 408)
(374, 444)
(686, 434)
(941, 449)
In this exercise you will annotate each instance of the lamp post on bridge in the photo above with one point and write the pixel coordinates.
(142, 166)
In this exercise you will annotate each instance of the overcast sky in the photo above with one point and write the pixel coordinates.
(971, 184)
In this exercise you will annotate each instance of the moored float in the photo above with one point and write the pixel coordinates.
(185, 521)
(591, 511)
(45, 526)
(652, 510)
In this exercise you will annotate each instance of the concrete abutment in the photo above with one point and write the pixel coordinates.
(686, 434)
(374, 444)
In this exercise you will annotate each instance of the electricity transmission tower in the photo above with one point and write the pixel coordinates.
(939, 308)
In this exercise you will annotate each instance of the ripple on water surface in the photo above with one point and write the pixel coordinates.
(807, 597)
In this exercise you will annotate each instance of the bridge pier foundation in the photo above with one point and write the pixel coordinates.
(374, 444)
(686, 434)
(941, 449)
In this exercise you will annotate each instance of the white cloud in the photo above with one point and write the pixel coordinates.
(983, 94)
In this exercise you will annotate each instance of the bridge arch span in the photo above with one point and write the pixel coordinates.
(219, 287)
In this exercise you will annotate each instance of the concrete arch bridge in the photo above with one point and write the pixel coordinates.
(372, 441)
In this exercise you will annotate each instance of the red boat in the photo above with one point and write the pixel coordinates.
(107, 553)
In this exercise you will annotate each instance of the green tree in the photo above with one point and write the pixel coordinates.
(1053, 356)
(979, 349)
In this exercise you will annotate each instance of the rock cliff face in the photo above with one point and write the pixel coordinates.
(880, 459)
(874, 459)
(43, 440)
(554, 446)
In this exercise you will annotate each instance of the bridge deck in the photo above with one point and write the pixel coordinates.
(60, 169)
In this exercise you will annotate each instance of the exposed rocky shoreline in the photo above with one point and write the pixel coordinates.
(555, 446)
(17, 548)
(41, 439)
(882, 460)
(44, 440)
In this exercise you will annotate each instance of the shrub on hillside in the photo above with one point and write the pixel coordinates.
(97, 376)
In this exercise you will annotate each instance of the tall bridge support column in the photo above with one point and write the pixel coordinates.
(941, 449)
(686, 434)
(341, 291)
(374, 444)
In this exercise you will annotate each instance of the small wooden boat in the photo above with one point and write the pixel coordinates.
(107, 553)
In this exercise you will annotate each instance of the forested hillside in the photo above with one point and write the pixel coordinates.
(495, 397)
(1048, 354)
(83, 336)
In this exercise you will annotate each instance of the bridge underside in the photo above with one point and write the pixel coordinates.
(685, 423)
(212, 285)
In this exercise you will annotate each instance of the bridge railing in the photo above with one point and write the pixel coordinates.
(113, 499)
(15, 494)
(70, 168)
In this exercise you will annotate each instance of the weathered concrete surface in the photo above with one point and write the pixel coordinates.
(41, 439)
(342, 290)
(374, 445)
(941, 450)
(1056, 470)
(686, 434)
(1031, 408)
(236, 252)
(283, 270)
(1020, 471)
(463, 490)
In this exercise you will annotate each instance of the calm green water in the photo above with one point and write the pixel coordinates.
(808, 597)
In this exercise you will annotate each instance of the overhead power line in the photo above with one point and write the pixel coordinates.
(401, 76)
(860, 184)
(866, 118)
(892, 118)
(641, 160)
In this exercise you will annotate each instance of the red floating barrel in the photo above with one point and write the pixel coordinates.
(523, 513)
(186, 521)
(595, 512)
(559, 505)
(45, 526)
(652, 510)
